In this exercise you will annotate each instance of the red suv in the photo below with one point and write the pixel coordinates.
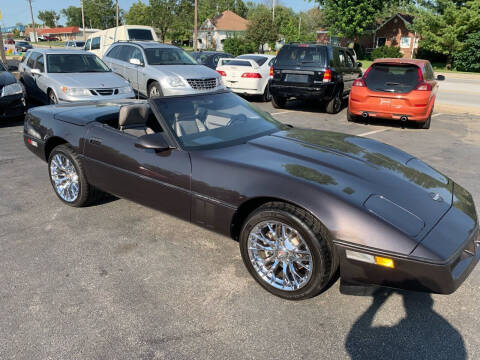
(400, 89)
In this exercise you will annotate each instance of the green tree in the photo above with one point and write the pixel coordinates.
(469, 58)
(99, 14)
(163, 13)
(183, 26)
(238, 45)
(49, 18)
(261, 29)
(210, 8)
(73, 15)
(444, 25)
(139, 14)
(350, 18)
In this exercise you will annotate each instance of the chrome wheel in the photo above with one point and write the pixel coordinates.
(280, 255)
(64, 177)
(154, 91)
(52, 98)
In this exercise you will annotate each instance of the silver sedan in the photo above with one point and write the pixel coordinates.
(54, 76)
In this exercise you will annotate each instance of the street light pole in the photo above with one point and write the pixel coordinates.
(195, 27)
(83, 24)
(33, 22)
(273, 9)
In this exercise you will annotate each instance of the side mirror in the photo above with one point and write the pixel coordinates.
(359, 64)
(156, 142)
(35, 72)
(12, 67)
(135, 62)
(440, 77)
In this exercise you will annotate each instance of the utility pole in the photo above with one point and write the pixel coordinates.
(195, 27)
(117, 13)
(2, 49)
(273, 10)
(33, 22)
(299, 26)
(83, 24)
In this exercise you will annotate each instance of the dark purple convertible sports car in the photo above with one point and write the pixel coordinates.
(302, 203)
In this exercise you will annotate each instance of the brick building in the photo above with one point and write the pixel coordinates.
(395, 32)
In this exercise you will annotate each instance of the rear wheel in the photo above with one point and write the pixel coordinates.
(154, 90)
(287, 251)
(351, 117)
(426, 124)
(278, 102)
(335, 104)
(266, 97)
(68, 178)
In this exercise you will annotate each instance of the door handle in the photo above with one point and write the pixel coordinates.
(96, 140)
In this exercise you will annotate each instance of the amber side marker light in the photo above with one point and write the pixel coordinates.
(377, 260)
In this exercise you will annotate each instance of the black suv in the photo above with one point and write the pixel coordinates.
(323, 73)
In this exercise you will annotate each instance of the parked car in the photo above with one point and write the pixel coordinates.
(9, 42)
(155, 69)
(48, 38)
(23, 46)
(75, 44)
(210, 58)
(318, 73)
(12, 103)
(302, 203)
(58, 75)
(248, 74)
(99, 42)
(398, 89)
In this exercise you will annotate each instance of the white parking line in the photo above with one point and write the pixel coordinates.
(437, 114)
(281, 112)
(372, 132)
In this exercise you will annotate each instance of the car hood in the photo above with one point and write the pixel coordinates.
(89, 80)
(396, 186)
(6, 78)
(186, 71)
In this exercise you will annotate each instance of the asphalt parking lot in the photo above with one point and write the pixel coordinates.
(121, 281)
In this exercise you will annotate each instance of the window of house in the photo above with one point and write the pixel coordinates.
(381, 41)
(405, 42)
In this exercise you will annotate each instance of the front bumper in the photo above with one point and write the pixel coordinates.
(322, 92)
(69, 99)
(12, 107)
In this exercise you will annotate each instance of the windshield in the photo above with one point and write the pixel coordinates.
(215, 120)
(140, 34)
(168, 56)
(79, 43)
(302, 55)
(75, 63)
(392, 78)
(237, 63)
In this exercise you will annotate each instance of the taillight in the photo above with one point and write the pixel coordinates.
(270, 74)
(327, 75)
(359, 82)
(222, 73)
(423, 86)
(251, 75)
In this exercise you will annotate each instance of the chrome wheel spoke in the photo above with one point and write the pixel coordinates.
(65, 178)
(279, 255)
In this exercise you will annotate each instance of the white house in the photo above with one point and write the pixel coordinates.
(213, 32)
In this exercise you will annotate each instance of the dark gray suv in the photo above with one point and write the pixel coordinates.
(321, 73)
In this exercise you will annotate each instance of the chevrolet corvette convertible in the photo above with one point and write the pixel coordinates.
(306, 206)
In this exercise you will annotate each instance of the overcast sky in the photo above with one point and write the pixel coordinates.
(15, 11)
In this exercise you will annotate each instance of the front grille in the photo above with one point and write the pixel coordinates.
(104, 92)
(203, 84)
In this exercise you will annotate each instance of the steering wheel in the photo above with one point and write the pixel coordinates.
(237, 119)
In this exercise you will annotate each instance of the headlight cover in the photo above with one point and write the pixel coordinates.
(175, 81)
(76, 91)
(125, 90)
(11, 89)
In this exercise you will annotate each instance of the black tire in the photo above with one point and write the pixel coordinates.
(151, 89)
(266, 97)
(351, 117)
(313, 233)
(278, 102)
(335, 104)
(52, 98)
(426, 124)
(87, 194)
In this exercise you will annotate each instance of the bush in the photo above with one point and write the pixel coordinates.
(386, 52)
(432, 56)
(238, 45)
(469, 58)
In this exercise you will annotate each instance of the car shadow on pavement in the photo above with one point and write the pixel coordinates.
(422, 334)
(11, 123)
(386, 122)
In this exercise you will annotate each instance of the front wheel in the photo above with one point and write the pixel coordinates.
(52, 98)
(68, 178)
(426, 124)
(287, 251)
(154, 90)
